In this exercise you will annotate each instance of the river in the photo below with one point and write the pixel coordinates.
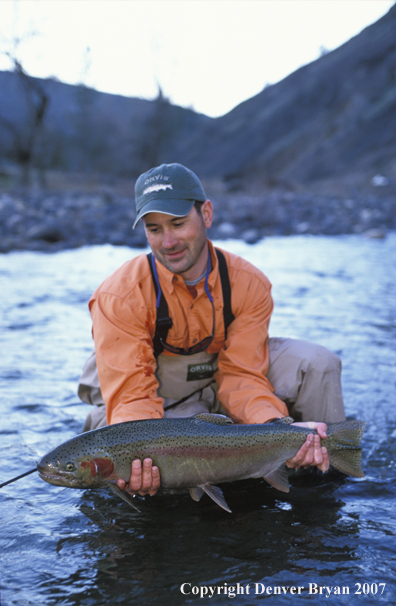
(73, 547)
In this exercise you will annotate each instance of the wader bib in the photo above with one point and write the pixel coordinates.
(187, 384)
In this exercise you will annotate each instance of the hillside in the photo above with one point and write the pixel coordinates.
(333, 118)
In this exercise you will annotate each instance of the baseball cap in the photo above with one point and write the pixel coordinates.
(170, 189)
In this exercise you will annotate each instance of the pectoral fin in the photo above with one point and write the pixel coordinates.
(215, 493)
(279, 479)
(124, 496)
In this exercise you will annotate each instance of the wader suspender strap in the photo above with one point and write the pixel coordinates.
(226, 288)
(164, 322)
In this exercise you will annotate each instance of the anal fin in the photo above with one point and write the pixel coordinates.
(279, 479)
(215, 493)
(124, 496)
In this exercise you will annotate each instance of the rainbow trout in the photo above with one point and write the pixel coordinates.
(195, 453)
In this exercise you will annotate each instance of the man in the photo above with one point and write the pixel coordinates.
(171, 340)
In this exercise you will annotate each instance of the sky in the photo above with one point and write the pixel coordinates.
(209, 55)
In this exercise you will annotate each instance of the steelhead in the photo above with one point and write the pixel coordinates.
(195, 453)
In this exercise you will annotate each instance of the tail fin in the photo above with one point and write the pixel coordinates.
(348, 461)
(344, 447)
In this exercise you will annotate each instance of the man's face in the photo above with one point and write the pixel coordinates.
(180, 243)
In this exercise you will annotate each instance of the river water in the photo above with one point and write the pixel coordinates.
(74, 547)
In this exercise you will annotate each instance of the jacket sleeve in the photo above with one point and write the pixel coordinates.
(125, 360)
(244, 390)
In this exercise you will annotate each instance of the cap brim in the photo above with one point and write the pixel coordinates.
(166, 206)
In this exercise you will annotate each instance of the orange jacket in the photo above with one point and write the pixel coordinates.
(123, 311)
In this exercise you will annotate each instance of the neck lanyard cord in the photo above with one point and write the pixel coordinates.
(159, 286)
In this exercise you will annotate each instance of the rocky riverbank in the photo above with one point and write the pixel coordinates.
(55, 221)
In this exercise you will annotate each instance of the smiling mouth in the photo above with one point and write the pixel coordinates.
(174, 254)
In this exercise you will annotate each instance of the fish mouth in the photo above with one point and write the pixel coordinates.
(63, 478)
(57, 480)
(57, 477)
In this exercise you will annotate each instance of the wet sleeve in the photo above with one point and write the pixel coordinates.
(125, 360)
(244, 390)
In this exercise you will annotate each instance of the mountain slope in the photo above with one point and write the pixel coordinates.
(332, 117)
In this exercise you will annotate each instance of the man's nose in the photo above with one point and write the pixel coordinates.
(169, 240)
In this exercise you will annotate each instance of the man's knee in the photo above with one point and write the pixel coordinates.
(96, 418)
(320, 359)
(294, 363)
(291, 356)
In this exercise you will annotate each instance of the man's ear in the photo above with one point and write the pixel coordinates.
(207, 213)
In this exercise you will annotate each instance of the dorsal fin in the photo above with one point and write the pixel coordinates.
(284, 420)
(213, 418)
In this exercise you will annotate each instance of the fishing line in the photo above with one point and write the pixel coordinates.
(18, 477)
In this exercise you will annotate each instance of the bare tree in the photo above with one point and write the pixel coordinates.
(24, 133)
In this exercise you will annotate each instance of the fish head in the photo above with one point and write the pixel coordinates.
(66, 466)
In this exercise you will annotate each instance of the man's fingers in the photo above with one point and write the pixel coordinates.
(156, 481)
(299, 460)
(135, 481)
(324, 466)
(311, 454)
(322, 430)
(145, 479)
(320, 456)
(146, 476)
(317, 455)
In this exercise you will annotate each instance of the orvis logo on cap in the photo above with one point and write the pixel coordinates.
(156, 178)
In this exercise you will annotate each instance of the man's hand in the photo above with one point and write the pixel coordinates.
(311, 453)
(142, 481)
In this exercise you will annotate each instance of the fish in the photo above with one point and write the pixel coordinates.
(195, 453)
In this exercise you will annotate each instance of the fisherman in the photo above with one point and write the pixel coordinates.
(185, 331)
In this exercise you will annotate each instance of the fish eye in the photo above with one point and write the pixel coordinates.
(70, 467)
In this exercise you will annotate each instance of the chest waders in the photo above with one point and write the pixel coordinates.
(186, 381)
